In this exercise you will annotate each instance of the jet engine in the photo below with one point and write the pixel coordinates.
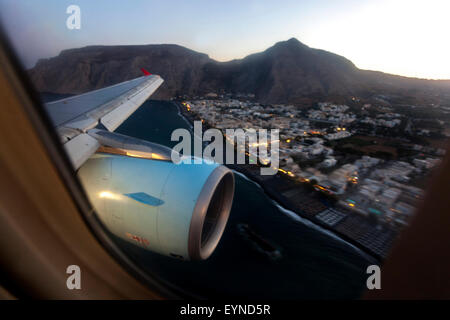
(140, 195)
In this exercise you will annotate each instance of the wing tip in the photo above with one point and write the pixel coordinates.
(146, 73)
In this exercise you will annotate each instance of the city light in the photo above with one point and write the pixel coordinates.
(306, 155)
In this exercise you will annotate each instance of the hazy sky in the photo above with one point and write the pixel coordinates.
(407, 37)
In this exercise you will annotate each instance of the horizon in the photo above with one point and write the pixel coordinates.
(386, 37)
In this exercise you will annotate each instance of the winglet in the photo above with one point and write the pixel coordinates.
(145, 72)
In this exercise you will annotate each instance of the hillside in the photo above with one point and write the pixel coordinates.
(288, 72)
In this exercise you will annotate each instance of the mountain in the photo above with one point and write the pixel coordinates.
(288, 72)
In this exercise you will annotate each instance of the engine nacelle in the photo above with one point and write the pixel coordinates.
(179, 210)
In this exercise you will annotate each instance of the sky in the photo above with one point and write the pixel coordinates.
(405, 37)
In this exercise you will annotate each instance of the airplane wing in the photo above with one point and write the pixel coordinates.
(105, 108)
(139, 194)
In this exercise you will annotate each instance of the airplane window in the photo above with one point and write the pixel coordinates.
(227, 166)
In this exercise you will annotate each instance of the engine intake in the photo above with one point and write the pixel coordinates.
(179, 210)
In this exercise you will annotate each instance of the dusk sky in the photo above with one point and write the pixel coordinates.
(405, 37)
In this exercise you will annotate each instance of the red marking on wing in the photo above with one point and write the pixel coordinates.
(145, 72)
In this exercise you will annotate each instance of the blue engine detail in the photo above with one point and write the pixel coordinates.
(174, 209)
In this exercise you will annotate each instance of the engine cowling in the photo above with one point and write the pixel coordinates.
(179, 210)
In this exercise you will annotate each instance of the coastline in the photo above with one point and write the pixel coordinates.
(284, 204)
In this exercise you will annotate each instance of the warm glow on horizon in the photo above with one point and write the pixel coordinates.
(405, 37)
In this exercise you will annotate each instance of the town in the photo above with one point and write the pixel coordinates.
(367, 165)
